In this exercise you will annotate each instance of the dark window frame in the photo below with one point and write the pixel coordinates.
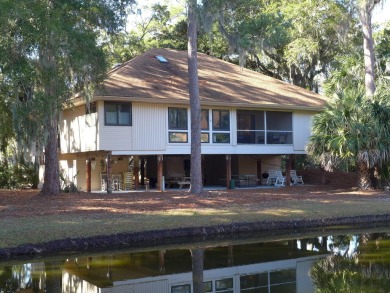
(220, 126)
(117, 104)
(176, 127)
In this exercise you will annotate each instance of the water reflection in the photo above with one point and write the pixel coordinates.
(277, 266)
(359, 263)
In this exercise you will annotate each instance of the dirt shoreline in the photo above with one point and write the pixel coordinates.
(161, 237)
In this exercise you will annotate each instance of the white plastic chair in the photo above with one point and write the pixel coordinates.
(295, 178)
(271, 177)
(280, 179)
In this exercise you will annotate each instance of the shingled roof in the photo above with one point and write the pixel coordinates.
(145, 78)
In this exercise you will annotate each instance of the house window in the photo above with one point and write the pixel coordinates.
(224, 285)
(279, 127)
(205, 125)
(250, 127)
(181, 289)
(208, 286)
(117, 114)
(254, 283)
(221, 126)
(178, 125)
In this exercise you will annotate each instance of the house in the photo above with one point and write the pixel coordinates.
(226, 270)
(137, 128)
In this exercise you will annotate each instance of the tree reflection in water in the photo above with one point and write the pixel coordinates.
(197, 269)
(357, 264)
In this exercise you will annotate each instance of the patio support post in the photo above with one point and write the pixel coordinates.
(228, 170)
(136, 172)
(160, 160)
(108, 161)
(259, 171)
(142, 171)
(88, 177)
(288, 170)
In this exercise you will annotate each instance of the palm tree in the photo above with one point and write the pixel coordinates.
(352, 128)
(365, 271)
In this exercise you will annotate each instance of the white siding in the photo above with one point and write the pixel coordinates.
(72, 130)
(91, 133)
(149, 134)
(81, 174)
(149, 127)
(78, 132)
(158, 286)
(114, 137)
(301, 128)
(304, 282)
(68, 168)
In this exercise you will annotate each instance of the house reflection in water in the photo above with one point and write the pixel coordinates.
(248, 268)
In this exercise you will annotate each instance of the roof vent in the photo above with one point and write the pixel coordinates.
(161, 59)
(116, 65)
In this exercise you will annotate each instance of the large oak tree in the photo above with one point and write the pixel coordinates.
(50, 50)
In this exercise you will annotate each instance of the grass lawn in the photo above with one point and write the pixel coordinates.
(28, 217)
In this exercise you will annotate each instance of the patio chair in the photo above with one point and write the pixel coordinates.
(271, 177)
(280, 179)
(295, 178)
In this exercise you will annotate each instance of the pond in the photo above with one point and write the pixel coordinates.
(345, 261)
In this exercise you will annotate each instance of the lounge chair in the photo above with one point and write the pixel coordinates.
(271, 177)
(280, 179)
(295, 178)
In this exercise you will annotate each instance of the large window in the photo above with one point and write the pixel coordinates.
(178, 125)
(279, 127)
(117, 114)
(264, 127)
(274, 281)
(250, 127)
(221, 126)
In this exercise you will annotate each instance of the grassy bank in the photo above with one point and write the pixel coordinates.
(27, 217)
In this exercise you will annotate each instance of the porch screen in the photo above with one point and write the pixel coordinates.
(250, 127)
(279, 127)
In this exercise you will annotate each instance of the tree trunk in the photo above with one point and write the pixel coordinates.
(193, 88)
(108, 172)
(364, 176)
(197, 269)
(365, 13)
(53, 276)
(88, 175)
(160, 172)
(288, 171)
(51, 184)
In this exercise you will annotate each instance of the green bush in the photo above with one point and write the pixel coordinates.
(22, 175)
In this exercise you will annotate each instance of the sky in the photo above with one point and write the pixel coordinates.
(380, 14)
